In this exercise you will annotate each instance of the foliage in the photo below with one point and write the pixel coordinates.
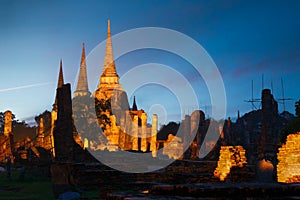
(46, 115)
(102, 107)
(33, 187)
(2, 121)
(21, 130)
(82, 113)
(294, 125)
(297, 108)
(85, 119)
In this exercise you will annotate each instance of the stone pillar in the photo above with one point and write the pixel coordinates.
(128, 131)
(40, 136)
(187, 130)
(194, 126)
(221, 132)
(53, 119)
(8, 123)
(114, 130)
(195, 118)
(85, 143)
(8, 135)
(135, 136)
(228, 131)
(187, 140)
(41, 126)
(153, 147)
(201, 131)
(144, 132)
(122, 136)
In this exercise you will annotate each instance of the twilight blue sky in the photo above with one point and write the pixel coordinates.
(244, 38)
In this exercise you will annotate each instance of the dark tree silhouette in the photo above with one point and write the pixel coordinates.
(294, 125)
(297, 108)
(1, 122)
(22, 130)
(102, 106)
(46, 115)
(86, 115)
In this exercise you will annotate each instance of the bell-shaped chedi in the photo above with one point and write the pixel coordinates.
(109, 87)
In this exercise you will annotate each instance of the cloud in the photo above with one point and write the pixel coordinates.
(25, 86)
(277, 64)
(29, 120)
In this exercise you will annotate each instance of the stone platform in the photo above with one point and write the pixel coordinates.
(67, 176)
(214, 191)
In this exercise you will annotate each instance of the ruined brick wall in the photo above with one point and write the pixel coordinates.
(63, 131)
(230, 156)
(173, 147)
(288, 168)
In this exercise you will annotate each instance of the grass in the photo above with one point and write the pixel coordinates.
(32, 187)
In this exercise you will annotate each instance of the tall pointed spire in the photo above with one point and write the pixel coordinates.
(60, 83)
(109, 79)
(109, 69)
(134, 106)
(82, 83)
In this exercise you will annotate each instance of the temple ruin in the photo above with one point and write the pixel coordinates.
(7, 138)
(230, 156)
(288, 168)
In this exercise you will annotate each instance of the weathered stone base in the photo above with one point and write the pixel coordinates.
(214, 191)
(91, 174)
(107, 180)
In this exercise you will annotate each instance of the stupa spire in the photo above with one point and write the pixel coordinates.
(109, 68)
(134, 106)
(60, 83)
(109, 79)
(82, 88)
